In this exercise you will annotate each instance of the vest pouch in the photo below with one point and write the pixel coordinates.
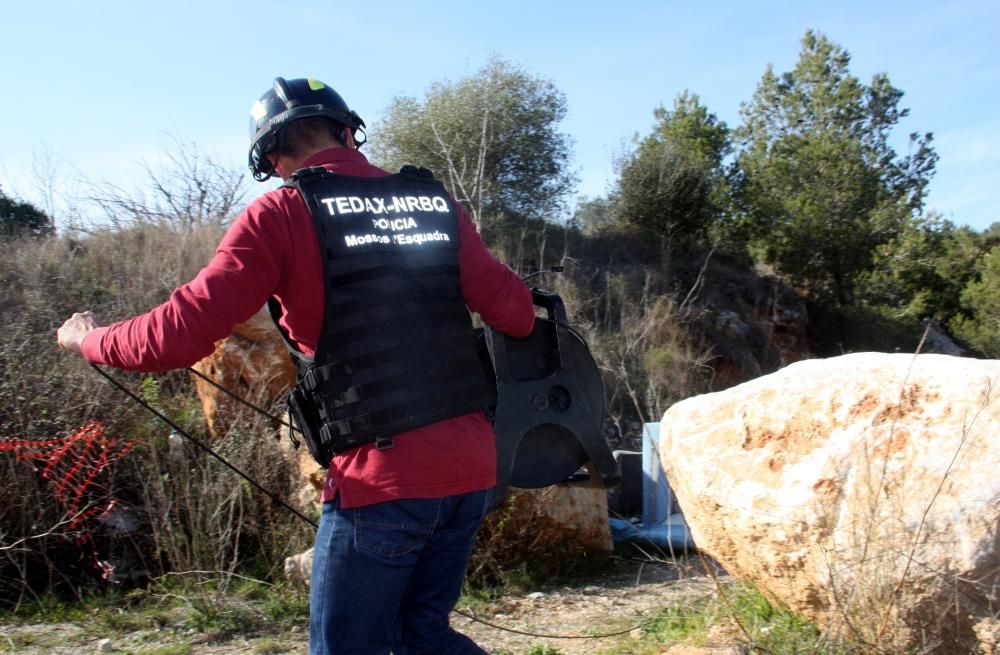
(309, 423)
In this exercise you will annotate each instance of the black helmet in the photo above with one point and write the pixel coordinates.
(288, 101)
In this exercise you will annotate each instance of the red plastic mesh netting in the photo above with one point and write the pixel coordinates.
(77, 467)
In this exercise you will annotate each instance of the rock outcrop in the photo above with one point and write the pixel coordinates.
(552, 530)
(861, 491)
(253, 363)
(754, 323)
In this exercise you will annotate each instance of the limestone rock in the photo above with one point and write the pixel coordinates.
(861, 491)
(551, 529)
(298, 568)
(253, 363)
(988, 632)
(936, 340)
(312, 475)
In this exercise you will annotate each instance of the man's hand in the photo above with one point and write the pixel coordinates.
(72, 332)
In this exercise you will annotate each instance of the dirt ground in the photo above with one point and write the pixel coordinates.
(616, 604)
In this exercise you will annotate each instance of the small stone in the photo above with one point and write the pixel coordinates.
(536, 595)
(637, 633)
(105, 646)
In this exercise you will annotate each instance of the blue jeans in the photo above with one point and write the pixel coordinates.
(385, 577)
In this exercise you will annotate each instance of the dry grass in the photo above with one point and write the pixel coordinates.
(188, 513)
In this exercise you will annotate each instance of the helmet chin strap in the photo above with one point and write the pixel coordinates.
(263, 168)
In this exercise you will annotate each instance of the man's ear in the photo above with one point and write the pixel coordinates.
(282, 164)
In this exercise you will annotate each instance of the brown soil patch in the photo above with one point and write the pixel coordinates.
(893, 443)
(754, 439)
(868, 404)
(787, 444)
(908, 404)
(827, 489)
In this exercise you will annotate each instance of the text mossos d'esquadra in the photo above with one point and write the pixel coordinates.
(386, 219)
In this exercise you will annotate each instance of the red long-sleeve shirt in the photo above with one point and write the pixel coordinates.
(271, 249)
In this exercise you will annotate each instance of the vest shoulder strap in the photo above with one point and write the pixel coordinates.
(417, 172)
(304, 174)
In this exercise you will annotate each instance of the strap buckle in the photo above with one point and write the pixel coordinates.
(325, 435)
(311, 171)
(310, 380)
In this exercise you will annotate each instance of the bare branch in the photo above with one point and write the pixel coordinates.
(692, 294)
(48, 533)
(191, 190)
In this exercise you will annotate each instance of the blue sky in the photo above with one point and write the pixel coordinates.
(99, 84)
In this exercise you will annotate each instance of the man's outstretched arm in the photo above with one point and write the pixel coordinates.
(230, 289)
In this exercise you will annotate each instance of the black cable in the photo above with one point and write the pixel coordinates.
(553, 269)
(238, 398)
(545, 636)
(302, 516)
(204, 447)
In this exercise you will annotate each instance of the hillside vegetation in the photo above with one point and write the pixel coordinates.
(722, 254)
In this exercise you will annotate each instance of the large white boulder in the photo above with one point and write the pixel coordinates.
(862, 491)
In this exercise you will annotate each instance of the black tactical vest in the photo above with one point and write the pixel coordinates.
(397, 349)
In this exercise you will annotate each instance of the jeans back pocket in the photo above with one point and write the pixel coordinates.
(395, 528)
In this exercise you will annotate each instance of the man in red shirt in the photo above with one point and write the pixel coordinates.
(377, 319)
